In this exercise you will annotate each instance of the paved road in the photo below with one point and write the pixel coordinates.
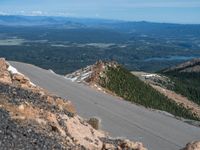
(119, 118)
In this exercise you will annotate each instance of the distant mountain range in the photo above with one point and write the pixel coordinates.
(12, 20)
(36, 21)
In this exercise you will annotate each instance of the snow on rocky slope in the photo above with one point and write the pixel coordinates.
(90, 75)
(81, 75)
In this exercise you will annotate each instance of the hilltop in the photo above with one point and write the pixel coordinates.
(33, 118)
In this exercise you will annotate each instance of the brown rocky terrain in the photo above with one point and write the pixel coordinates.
(33, 118)
(89, 74)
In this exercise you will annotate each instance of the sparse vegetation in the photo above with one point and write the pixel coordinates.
(94, 122)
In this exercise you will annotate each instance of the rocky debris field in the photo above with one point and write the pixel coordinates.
(33, 118)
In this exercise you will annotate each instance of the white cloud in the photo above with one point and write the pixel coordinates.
(3, 13)
(181, 4)
(63, 14)
(36, 13)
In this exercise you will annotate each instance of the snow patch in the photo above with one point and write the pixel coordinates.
(150, 75)
(79, 77)
(99, 89)
(86, 75)
(72, 79)
(52, 71)
(32, 83)
(13, 70)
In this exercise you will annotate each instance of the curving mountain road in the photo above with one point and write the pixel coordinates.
(119, 118)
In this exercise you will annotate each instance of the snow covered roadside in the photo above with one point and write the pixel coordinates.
(13, 70)
(79, 76)
(150, 75)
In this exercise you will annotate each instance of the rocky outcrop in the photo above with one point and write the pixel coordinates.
(192, 146)
(90, 74)
(33, 118)
(4, 74)
(10, 75)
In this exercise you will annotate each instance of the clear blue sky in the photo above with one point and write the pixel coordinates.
(176, 11)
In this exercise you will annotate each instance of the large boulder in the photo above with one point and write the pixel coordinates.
(127, 144)
(20, 80)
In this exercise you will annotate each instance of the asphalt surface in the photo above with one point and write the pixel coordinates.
(120, 118)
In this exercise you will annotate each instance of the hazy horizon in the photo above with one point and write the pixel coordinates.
(171, 11)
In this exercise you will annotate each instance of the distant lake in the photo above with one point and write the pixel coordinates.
(171, 58)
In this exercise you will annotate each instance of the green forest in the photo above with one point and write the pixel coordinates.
(187, 84)
(126, 85)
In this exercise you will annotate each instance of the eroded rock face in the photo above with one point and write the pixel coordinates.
(4, 74)
(9, 77)
(192, 146)
(32, 118)
(90, 74)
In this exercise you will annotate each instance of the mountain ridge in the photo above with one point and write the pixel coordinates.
(23, 20)
(112, 78)
(186, 77)
(191, 66)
